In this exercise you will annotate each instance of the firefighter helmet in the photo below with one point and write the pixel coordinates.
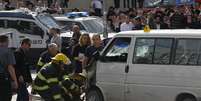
(61, 57)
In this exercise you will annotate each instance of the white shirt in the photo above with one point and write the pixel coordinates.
(158, 26)
(96, 4)
(57, 40)
(126, 26)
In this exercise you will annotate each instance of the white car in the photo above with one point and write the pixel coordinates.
(87, 24)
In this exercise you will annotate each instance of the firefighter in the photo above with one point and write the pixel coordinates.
(49, 81)
(46, 56)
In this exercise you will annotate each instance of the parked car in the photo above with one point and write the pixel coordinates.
(87, 24)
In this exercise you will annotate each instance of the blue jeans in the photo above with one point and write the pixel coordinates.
(22, 93)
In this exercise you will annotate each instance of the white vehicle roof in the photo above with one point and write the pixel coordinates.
(64, 18)
(70, 34)
(169, 32)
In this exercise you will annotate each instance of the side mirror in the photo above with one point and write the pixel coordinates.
(123, 57)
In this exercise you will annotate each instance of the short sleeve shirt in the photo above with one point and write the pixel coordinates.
(7, 57)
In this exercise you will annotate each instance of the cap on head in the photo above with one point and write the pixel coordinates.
(60, 57)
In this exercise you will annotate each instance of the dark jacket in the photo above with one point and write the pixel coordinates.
(45, 58)
(22, 67)
(162, 26)
(178, 21)
(49, 82)
(78, 50)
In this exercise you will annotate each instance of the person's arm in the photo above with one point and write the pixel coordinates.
(11, 71)
(84, 63)
(86, 58)
(10, 67)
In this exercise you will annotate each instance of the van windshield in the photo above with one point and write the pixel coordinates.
(48, 21)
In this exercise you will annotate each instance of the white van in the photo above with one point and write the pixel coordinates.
(161, 65)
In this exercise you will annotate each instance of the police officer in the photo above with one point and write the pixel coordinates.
(46, 56)
(48, 81)
(7, 61)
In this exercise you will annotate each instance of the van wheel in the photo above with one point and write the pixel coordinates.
(187, 98)
(94, 95)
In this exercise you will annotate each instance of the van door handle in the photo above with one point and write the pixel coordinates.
(126, 69)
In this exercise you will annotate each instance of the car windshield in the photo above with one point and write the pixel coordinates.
(48, 21)
(95, 26)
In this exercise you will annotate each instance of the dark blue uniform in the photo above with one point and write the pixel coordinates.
(45, 58)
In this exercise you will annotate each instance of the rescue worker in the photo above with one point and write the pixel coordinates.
(46, 56)
(49, 81)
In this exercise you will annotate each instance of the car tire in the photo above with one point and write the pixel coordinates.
(188, 98)
(94, 95)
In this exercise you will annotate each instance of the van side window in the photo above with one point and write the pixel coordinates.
(144, 49)
(117, 51)
(2, 23)
(188, 52)
(152, 51)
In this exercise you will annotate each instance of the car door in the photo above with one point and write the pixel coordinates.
(149, 69)
(111, 69)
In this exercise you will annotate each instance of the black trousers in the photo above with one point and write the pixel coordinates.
(5, 89)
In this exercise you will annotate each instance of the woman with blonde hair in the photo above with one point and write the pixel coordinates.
(78, 51)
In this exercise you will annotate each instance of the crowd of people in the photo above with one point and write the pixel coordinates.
(177, 17)
(54, 67)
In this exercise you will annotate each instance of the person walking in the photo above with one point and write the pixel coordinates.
(79, 50)
(7, 70)
(22, 70)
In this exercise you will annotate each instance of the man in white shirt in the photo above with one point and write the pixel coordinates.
(127, 25)
(97, 6)
(55, 32)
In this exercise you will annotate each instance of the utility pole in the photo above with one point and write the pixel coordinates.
(105, 33)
